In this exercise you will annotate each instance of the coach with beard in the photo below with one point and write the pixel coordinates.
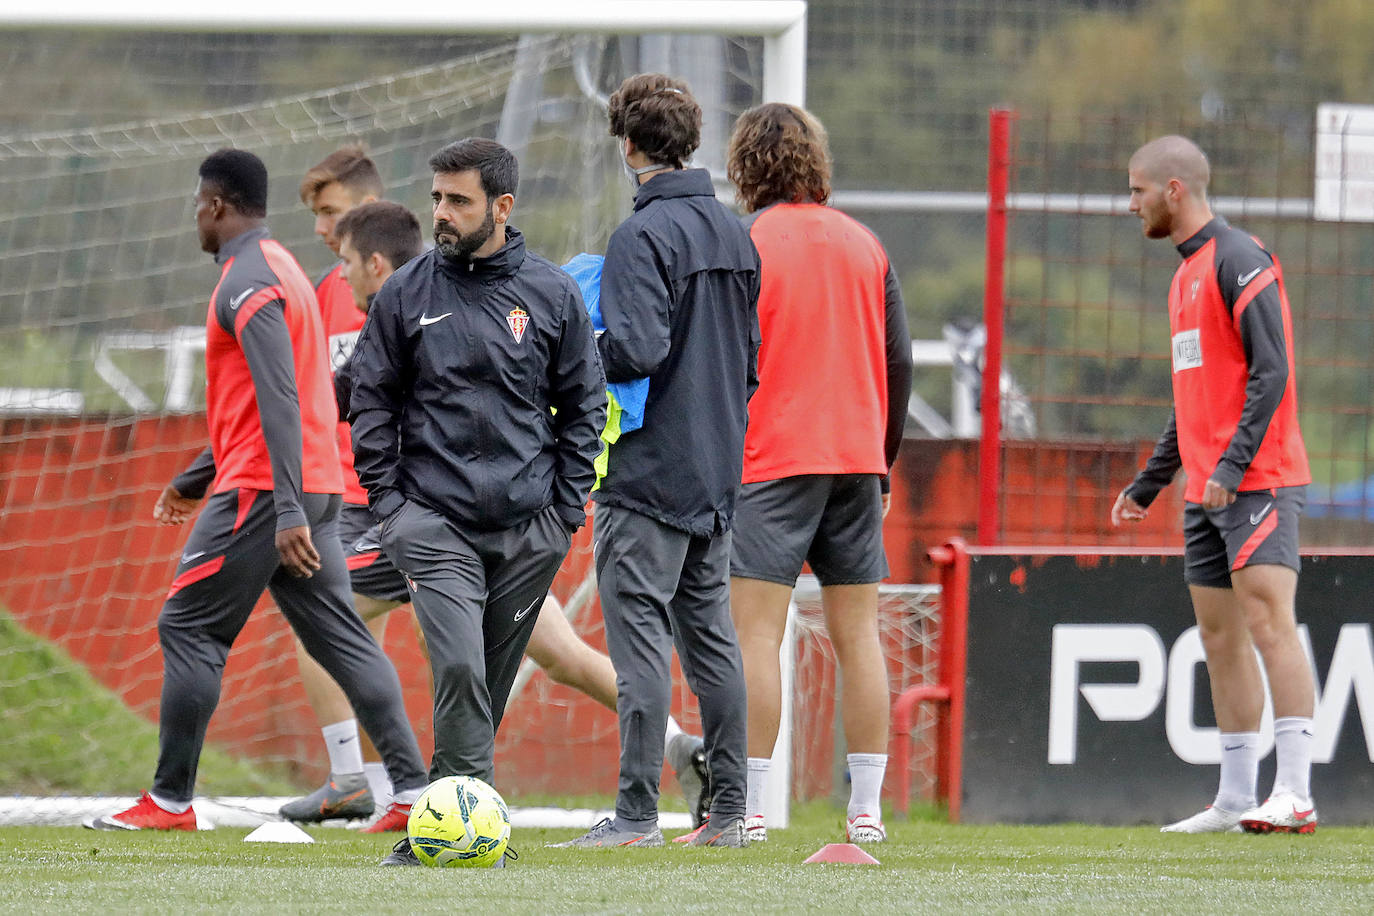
(477, 405)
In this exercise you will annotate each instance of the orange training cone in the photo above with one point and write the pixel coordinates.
(842, 853)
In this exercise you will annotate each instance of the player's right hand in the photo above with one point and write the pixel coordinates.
(298, 553)
(172, 508)
(1126, 510)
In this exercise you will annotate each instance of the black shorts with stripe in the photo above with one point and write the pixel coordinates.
(1260, 527)
(370, 572)
(832, 521)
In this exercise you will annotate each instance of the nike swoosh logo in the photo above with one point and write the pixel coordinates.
(1302, 815)
(1234, 747)
(1246, 278)
(348, 739)
(364, 547)
(235, 302)
(425, 320)
(1256, 516)
(188, 557)
(521, 616)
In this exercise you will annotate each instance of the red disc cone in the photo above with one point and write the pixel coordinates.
(843, 853)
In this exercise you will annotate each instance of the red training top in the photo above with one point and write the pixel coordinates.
(1235, 395)
(342, 321)
(258, 272)
(834, 339)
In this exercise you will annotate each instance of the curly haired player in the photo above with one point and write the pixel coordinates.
(824, 428)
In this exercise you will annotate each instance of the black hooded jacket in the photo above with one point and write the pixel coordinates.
(477, 391)
(679, 296)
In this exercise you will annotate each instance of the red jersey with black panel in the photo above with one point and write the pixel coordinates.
(1235, 394)
(342, 322)
(259, 386)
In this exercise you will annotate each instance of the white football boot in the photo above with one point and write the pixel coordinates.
(865, 828)
(1209, 820)
(1282, 812)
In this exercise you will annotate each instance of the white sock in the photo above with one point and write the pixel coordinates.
(407, 796)
(166, 804)
(1293, 752)
(345, 754)
(756, 784)
(671, 732)
(866, 784)
(378, 782)
(1239, 771)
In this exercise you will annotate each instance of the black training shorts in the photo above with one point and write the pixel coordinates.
(832, 521)
(1261, 526)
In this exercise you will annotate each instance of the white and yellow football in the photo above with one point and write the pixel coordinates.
(459, 822)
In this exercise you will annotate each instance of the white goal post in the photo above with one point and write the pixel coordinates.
(780, 23)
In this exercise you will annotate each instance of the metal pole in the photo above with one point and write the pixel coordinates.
(994, 306)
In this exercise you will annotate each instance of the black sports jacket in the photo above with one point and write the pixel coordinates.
(477, 391)
(679, 296)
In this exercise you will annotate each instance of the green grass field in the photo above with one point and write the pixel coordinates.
(63, 733)
(927, 866)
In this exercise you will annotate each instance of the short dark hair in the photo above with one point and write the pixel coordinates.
(350, 167)
(382, 227)
(779, 154)
(239, 178)
(658, 113)
(496, 164)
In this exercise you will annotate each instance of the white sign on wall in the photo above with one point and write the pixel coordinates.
(1344, 163)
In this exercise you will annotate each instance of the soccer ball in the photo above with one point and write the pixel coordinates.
(460, 822)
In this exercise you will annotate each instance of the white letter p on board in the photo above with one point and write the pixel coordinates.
(1073, 644)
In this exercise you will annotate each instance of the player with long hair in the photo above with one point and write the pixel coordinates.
(824, 429)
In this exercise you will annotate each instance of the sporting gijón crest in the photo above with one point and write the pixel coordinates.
(518, 320)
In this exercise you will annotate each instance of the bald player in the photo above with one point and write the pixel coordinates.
(1234, 432)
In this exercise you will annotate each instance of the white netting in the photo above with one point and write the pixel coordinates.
(909, 628)
(102, 301)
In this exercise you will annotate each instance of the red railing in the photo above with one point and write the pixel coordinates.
(953, 561)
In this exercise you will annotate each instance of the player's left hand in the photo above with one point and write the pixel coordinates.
(172, 508)
(298, 553)
(1126, 509)
(1215, 496)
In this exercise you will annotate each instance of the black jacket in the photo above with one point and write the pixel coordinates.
(679, 297)
(453, 380)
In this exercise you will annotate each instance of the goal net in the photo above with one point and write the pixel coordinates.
(102, 303)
